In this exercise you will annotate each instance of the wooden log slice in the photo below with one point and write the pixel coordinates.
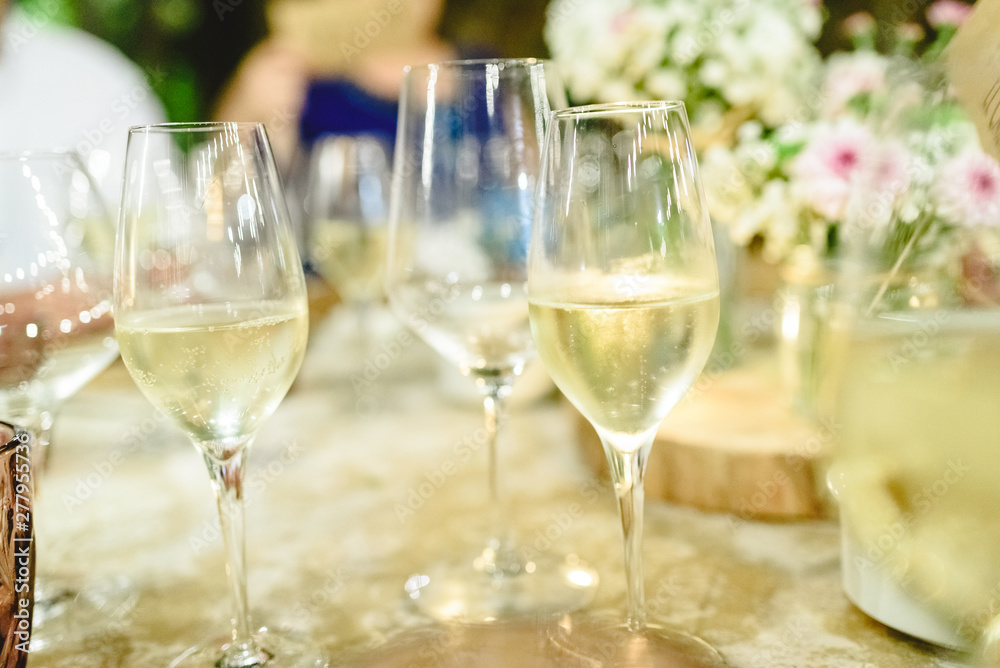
(734, 444)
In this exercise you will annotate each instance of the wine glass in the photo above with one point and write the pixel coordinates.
(56, 333)
(211, 317)
(347, 205)
(57, 254)
(465, 167)
(624, 306)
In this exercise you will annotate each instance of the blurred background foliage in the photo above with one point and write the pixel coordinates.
(190, 48)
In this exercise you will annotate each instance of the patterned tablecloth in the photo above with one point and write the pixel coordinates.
(352, 486)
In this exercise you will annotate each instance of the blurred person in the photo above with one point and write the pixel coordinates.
(330, 67)
(64, 88)
(360, 61)
(269, 87)
(334, 67)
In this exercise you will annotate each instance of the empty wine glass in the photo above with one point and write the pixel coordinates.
(465, 167)
(624, 306)
(347, 209)
(56, 333)
(212, 317)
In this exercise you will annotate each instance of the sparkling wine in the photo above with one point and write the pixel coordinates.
(625, 361)
(218, 370)
(350, 256)
(482, 328)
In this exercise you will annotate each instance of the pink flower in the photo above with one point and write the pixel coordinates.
(859, 23)
(967, 191)
(849, 75)
(825, 169)
(910, 32)
(882, 182)
(888, 168)
(948, 12)
(622, 21)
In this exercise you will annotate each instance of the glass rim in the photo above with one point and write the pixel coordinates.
(619, 107)
(476, 63)
(193, 126)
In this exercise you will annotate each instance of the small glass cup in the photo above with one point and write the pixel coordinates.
(909, 375)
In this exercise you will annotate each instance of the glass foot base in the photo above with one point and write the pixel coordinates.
(463, 591)
(67, 613)
(280, 650)
(605, 644)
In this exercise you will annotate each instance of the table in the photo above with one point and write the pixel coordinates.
(351, 489)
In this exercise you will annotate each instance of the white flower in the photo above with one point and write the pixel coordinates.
(811, 18)
(619, 90)
(666, 84)
(757, 158)
(741, 197)
(777, 218)
(714, 73)
(716, 55)
(728, 188)
(750, 131)
(684, 48)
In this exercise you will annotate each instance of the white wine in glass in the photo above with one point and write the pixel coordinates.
(347, 209)
(624, 307)
(212, 317)
(465, 168)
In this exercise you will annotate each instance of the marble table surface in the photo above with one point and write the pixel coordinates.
(353, 486)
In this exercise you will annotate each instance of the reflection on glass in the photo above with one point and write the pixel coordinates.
(212, 319)
(624, 307)
(466, 166)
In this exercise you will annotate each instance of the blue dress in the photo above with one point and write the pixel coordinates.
(338, 106)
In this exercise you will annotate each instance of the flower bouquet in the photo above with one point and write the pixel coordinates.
(886, 160)
(886, 117)
(729, 60)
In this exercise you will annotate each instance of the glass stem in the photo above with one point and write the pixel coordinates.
(505, 560)
(627, 468)
(43, 438)
(38, 421)
(227, 482)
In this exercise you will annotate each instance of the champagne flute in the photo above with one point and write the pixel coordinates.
(624, 307)
(56, 333)
(347, 204)
(211, 317)
(465, 167)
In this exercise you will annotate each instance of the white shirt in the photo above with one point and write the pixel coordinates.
(61, 87)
